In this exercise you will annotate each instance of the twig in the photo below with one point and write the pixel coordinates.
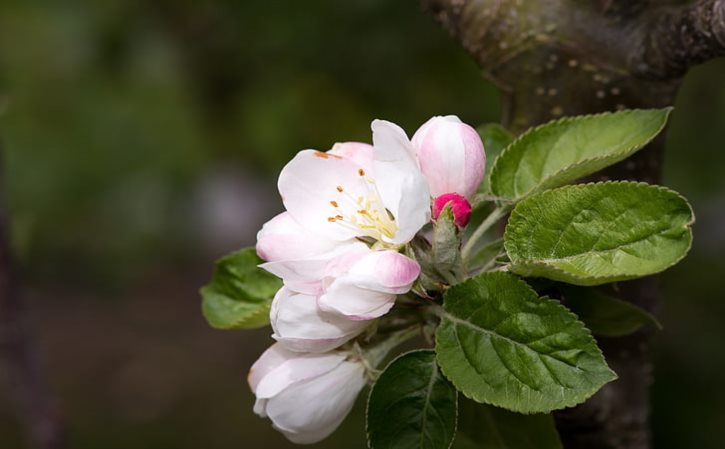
(679, 38)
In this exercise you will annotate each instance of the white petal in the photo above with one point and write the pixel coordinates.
(310, 411)
(368, 288)
(355, 302)
(358, 152)
(300, 325)
(312, 182)
(296, 367)
(402, 187)
(425, 129)
(260, 407)
(386, 271)
(450, 155)
(305, 275)
(282, 238)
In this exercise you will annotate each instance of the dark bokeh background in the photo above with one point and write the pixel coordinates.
(143, 140)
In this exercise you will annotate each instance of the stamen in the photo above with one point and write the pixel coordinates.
(365, 213)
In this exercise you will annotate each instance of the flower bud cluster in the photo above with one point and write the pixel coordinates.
(349, 212)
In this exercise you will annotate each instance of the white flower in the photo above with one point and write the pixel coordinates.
(352, 280)
(282, 238)
(450, 155)
(364, 284)
(346, 193)
(300, 325)
(305, 395)
(333, 199)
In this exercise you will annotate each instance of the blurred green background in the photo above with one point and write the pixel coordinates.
(142, 140)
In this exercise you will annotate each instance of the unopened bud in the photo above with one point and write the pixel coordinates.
(460, 207)
(450, 155)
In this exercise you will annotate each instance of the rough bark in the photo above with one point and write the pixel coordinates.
(18, 358)
(551, 58)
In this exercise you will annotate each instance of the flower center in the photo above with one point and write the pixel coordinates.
(365, 213)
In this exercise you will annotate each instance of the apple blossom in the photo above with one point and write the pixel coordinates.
(364, 284)
(300, 325)
(306, 395)
(353, 279)
(450, 155)
(347, 192)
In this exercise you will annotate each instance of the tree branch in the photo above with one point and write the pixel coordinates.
(28, 388)
(681, 38)
(551, 58)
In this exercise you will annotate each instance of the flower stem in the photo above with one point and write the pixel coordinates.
(493, 218)
(376, 354)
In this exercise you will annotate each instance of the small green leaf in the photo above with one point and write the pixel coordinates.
(495, 138)
(482, 426)
(593, 234)
(500, 344)
(239, 294)
(445, 246)
(606, 315)
(411, 405)
(564, 150)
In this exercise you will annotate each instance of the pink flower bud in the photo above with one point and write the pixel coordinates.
(450, 155)
(460, 206)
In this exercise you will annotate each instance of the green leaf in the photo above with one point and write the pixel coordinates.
(445, 246)
(500, 344)
(482, 426)
(606, 315)
(495, 138)
(597, 233)
(412, 405)
(564, 150)
(239, 294)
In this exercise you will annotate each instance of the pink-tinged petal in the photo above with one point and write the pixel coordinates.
(310, 411)
(358, 152)
(401, 185)
(475, 160)
(294, 367)
(346, 259)
(282, 238)
(451, 156)
(369, 288)
(307, 274)
(387, 271)
(301, 275)
(460, 206)
(347, 298)
(319, 191)
(300, 325)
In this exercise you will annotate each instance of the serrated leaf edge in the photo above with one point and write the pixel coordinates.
(590, 281)
(565, 120)
(576, 401)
